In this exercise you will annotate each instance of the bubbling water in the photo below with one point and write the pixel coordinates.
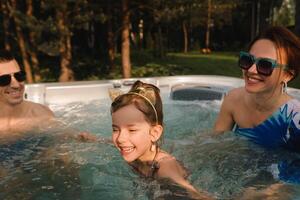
(51, 166)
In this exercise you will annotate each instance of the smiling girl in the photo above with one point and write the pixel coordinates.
(137, 122)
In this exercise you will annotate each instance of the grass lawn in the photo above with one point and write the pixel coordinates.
(194, 63)
(212, 64)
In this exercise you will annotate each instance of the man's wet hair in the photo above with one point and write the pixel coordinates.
(5, 56)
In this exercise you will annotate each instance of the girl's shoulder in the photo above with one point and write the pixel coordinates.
(169, 166)
(163, 156)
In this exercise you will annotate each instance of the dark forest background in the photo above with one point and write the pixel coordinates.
(67, 40)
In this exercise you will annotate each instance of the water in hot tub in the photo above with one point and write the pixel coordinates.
(53, 166)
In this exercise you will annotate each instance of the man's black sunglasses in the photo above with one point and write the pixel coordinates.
(6, 79)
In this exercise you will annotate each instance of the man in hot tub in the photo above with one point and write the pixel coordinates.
(25, 129)
(16, 114)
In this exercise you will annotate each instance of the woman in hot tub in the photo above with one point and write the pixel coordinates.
(262, 110)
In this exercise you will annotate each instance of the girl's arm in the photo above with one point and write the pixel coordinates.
(172, 170)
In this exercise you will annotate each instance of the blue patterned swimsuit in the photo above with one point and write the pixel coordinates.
(280, 130)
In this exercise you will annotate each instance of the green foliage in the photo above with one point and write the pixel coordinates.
(154, 69)
(285, 15)
(89, 22)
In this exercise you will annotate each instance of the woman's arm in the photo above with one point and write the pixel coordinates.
(225, 120)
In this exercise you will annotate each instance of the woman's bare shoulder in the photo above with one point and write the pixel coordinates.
(235, 93)
(234, 96)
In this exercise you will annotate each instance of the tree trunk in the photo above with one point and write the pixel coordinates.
(297, 18)
(185, 37)
(149, 42)
(66, 73)
(33, 50)
(111, 45)
(207, 35)
(22, 45)
(110, 38)
(5, 16)
(126, 65)
(141, 34)
(253, 18)
(159, 43)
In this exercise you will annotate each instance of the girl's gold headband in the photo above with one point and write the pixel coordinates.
(148, 100)
(141, 89)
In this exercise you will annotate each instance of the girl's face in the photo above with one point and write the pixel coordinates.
(131, 134)
(255, 82)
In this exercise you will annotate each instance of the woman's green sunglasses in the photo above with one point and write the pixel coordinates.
(264, 66)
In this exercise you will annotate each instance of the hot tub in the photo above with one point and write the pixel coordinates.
(224, 165)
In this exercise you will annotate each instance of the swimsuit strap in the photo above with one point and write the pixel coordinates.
(154, 165)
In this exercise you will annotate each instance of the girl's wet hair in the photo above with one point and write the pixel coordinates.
(286, 40)
(146, 98)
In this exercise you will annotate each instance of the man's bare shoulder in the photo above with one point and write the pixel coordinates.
(38, 110)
